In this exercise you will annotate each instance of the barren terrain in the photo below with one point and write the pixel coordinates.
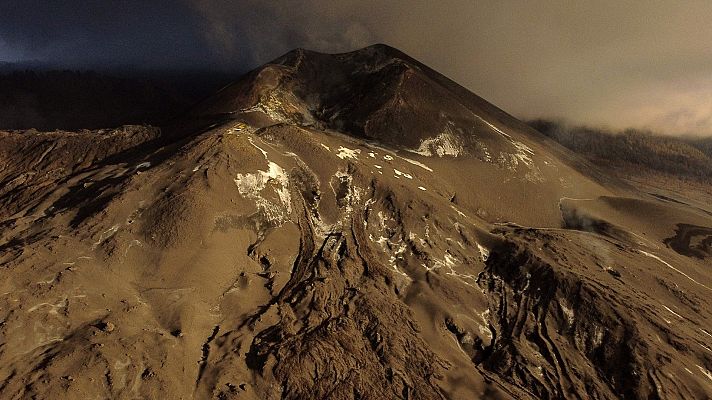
(350, 226)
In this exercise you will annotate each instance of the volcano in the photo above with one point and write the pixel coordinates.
(347, 226)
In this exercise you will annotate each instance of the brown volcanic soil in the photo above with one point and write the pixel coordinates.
(342, 227)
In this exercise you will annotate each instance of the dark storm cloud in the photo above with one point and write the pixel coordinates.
(606, 62)
(142, 34)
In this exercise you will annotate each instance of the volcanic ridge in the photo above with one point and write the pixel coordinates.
(348, 226)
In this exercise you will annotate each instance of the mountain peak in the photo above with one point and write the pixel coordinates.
(377, 93)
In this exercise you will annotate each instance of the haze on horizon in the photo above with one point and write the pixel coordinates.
(608, 63)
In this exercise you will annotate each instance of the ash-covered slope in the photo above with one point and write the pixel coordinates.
(340, 227)
(383, 97)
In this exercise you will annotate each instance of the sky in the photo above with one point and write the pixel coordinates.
(616, 64)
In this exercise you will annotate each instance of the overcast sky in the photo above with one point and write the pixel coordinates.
(614, 63)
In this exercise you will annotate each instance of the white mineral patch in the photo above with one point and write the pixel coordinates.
(418, 163)
(251, 185)
(325, 146)
(401, 173)
(395, 249)
(422, 188)
(345, 152)
(444, 144)
(484, 315)
(106, 235)
(523, 147)
(486, 331)
(460, 213)
(447, 261)
(133, 243)
(388, 158)
(492, 126)
(567, 311)
(47, 281)
(672, 312)
(707, 373)
(450, 262)
(484, 253)
(523, 153)
(53, 308)
(264, 153)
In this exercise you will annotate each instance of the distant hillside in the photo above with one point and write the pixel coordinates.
(684, 156)
(72, 100)
(69, 100)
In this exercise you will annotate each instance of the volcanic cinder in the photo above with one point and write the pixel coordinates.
(349, 226)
